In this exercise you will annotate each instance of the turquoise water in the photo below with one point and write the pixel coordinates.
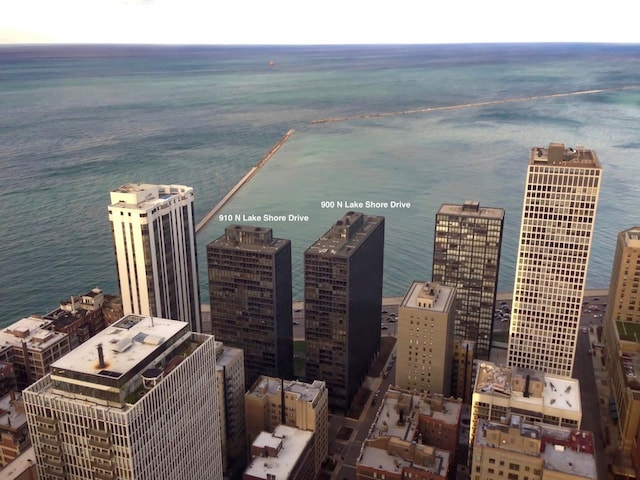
(79, 121)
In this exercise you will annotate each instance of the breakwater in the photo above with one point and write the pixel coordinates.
(243, 180)
(468, 105)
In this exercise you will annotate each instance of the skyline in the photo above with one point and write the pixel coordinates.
(284, 23)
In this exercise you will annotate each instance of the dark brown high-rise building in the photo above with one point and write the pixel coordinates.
(343, 298)
(250, 295)
(466, 255)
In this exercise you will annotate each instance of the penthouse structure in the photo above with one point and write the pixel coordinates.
(153, 230)
(285, 454)
(466, 255)
(31, 347)
(230, 381)
(250, 292)
(114, 407)
(518, 450)
(558, 217)
(537, 397)
(343, 299)
(273, 401)
(425, 338)
(413, 436)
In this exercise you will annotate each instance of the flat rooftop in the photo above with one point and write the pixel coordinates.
(145, 196)
(33, 331)
(346, 234)
(307, 392)
(471, 209)
(125, 344)
(631, 237)
(562, 449)
(439, 298)
(556, 154)
(10, 417)
(557, 392)
(290, 443)
(249, 238)
(434, 460)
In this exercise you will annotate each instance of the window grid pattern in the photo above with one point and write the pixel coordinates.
(555, 239)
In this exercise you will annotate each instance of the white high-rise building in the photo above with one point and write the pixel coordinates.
(558, 218)
(137, 400)
(153, 231)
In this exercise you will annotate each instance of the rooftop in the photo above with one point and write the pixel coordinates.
(245, 237)
(471, 209)
(429, 296)
(307, 392)
(557, 155)
(11, 417)
(346, 234)
(287, 443)
(631, 237)
(226, 355)
(561, 449)
(33, 331)
(394, 456)
(529, 387)
(145, 196)
(125, 345)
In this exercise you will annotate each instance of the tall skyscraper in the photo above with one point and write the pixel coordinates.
(425, 338)
(250, 292)
(137, 400)
(622, 348)
(466, 255)
(558, 218)
(343, 298)
(154, 236)
(625, 278)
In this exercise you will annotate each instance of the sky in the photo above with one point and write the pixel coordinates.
(225, 22)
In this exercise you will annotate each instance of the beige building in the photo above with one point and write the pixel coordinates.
(537, 397)
(425, 338)
(558, 217)
(623, 301)
(230, 381)
(272, 402)
(622, 347)
(517, 451)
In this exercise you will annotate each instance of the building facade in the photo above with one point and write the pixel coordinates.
(518, 451)
(230, 380)
(558, 217)
(31, 345)
(622, 349)
(138, 400)
(466, 255)
(425, 338)
(153, 230)
(250, 295)
(273, 401)
(343, 299)
(537, 397)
